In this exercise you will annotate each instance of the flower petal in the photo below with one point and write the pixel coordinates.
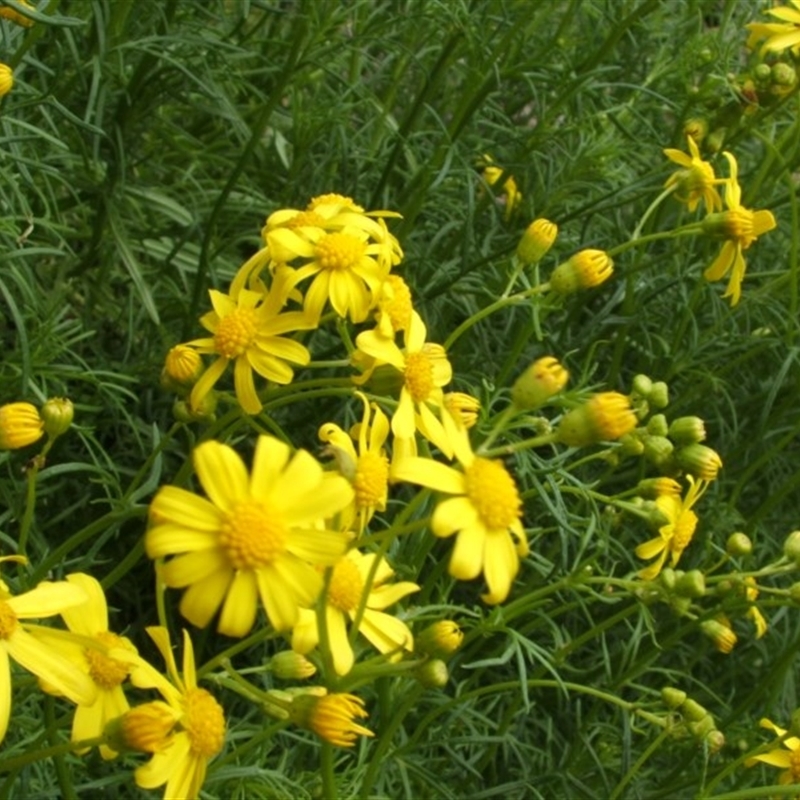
(47, 599)
(239, 611)
(184, 509)
(91, 617)
(202, 599)
(269, 461)
(385, 632)
(222, 474)
(193, 567)
(500, 566)
(5, 692)
(245, 387)
(466, 560)
(453, 514)
(430, 473)
(168, 540)
(343, 658)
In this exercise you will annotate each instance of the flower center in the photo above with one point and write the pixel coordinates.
(684, 530)
(346, 586)
(419, 376)
(397, 305)
(306, 219)
(105, 671)
(333, 199)
(738, 224)
(8, 620)
(494, 494)
(371, 480)
(204, 721)
(235, 333)
(339, 251)
(252, 536)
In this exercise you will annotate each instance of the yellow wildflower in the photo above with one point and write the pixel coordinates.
(740, 227)
(331, 716)
(776, 35)
(696, 181)
(606, 416)
(485, 510)
(751, 592)
(254, 536)
(787, 759)
(676, 534)
(584, 270)
(511, 197)
(345, 596)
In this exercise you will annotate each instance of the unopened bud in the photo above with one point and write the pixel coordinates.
(783, 74)
(672, 697)
(642, 385)
(440, 639)
(291, 666)
(691, 584)
(699, 460)
(720, 633)
(605, 417)
(536, 241)
(791, 547)
(715, 740)
(538, 383)
(57, 413)
(182, 367)
(657, 425)
(692, 710)
(687, 430)
(739, 544)
(657, 449)
(659, 395)
(433, 674)
(584, 270)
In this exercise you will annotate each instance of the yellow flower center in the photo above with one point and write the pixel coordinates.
(738, 225)
(346, 586)
(398, 305)
(8, 620)
(252, 536)
(794, 765)
(419, 376)
(371, 480)
(306, 219)
(493, 493)
(235, 333)
(684, 530)
(105, 671)
(204, 721)
(339, 251)
(333, 199)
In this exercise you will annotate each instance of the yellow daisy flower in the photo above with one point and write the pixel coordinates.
(674, 536)
(425, 371)
(696, 181)
(394, 307)
(740, 227)
(331, 716)
(485, 511)
(777, 36)
(786, 759)
(90, 621)
(18, 641)
(184, 733)
(255, 536)
(368, 469)
(345, 595)
(248, 330)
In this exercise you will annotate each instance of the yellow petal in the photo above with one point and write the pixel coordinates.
(5, 692)
(466, 560)
(379, 347)
(678, 157)
(318, 547)
(202, 599)
(239, 610)
(281, 607)
(430, 473)
(206, 382)
(305, 634)
(269, 461)
(386, 633)
(47, 599)
(185, 510)
(245, 387)
(222, 474)
(385, 596)
(341, 651)
(500, 566)
(763, 221)
(722, 263)
(270, 367)
(193, 567)
(453, 514)
(651, 548)
(90, 617)
(189, 670)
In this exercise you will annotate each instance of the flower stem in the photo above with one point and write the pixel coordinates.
(327, 772)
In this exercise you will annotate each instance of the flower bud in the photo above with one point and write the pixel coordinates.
(291, 666)
(691, 584)
(20, 425)
(332, 717)
(687, 430)
(794, 592)
(463, 408)
(148, 727)
(182, 367)
(536, 241)
(715, 740)
(631, 445)
(584, 270)
(57, 413)
(739, 544)
(721, 633)
(673, 698)
(433, 674)
(642, 385)
(657, 449)
(668, 578)
(659, 395)
(700, 461)
(6, 79)
(541, 380)
(655, 487)
(604, 417)
(762, 74)
(703, 727)
(6, 12)
(791, 546)
(440, 639)
(692, 711)
(783, 74)
(715, 140)
(183, 412)
(696, 128)
(657, 426)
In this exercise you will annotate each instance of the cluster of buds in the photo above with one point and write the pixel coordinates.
(696, 720)
(605, 417)
(437, 642)
(22, 424)
(676, 588)
(183, 367)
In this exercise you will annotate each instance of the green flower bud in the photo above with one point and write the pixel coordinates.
(657, 426)
(291, 666)
(692, 584)
(668, 578)
(659, 395)
(762, 73)
(642, 385)
(631, 445)
(703, 727)
(791, 547)
(584, 270)
(696, 128)
(536, 241)
(693, 711)
(739, 544)
(657, 449)
(440, 639)
(57, 413)
(433, 674)
(673, 698)
(687, 430)
(538, 383)
(699, 460)
(715, 740)
(794, 592)
(783, 74)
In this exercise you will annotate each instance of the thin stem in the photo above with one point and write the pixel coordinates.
(327, 772)
(650, 209)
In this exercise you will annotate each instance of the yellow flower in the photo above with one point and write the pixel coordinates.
(751, 592)
(787, 760)
(368, 469)
(348, 252)
(331, 716)
(90, 654)
(463, 408)
(543, 379)
(425, 371)
(676, 534)
(248, 331)
(778, 35)
(720, 632)
(253, 536)
(740, 227)
(6, 12)
(606, 416)
(18, 642)
(20, 425)
(182, 366)
(696, 181)
(6, 79)
(344, 599)
(196, 734)
(485, 511)
(538, 238)
(512, 197)
(584, 270)
(394, 307)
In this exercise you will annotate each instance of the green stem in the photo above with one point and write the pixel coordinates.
(691, 229)
(30, 495)
(650, 209)
(17, 762)
(497, 428)
(327, 772)
(526, 444)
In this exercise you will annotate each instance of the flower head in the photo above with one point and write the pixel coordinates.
(248, 331)
(331, 716)
(720, 632)
(786, 758)
(739, 227)
(182, 366)
(440, 639)
(584, 270)
(542, 380)
(184, 733)
(676, 534)
(538, 238)
(368, 468)
(512, 196)
(351, 596)
(485, 510)
(776, 35)
(604, 417)
(255, 536)
(20, 425)
(696, 181)
(751, 593)
(463, 408)
(6, 79)
(18, 642)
